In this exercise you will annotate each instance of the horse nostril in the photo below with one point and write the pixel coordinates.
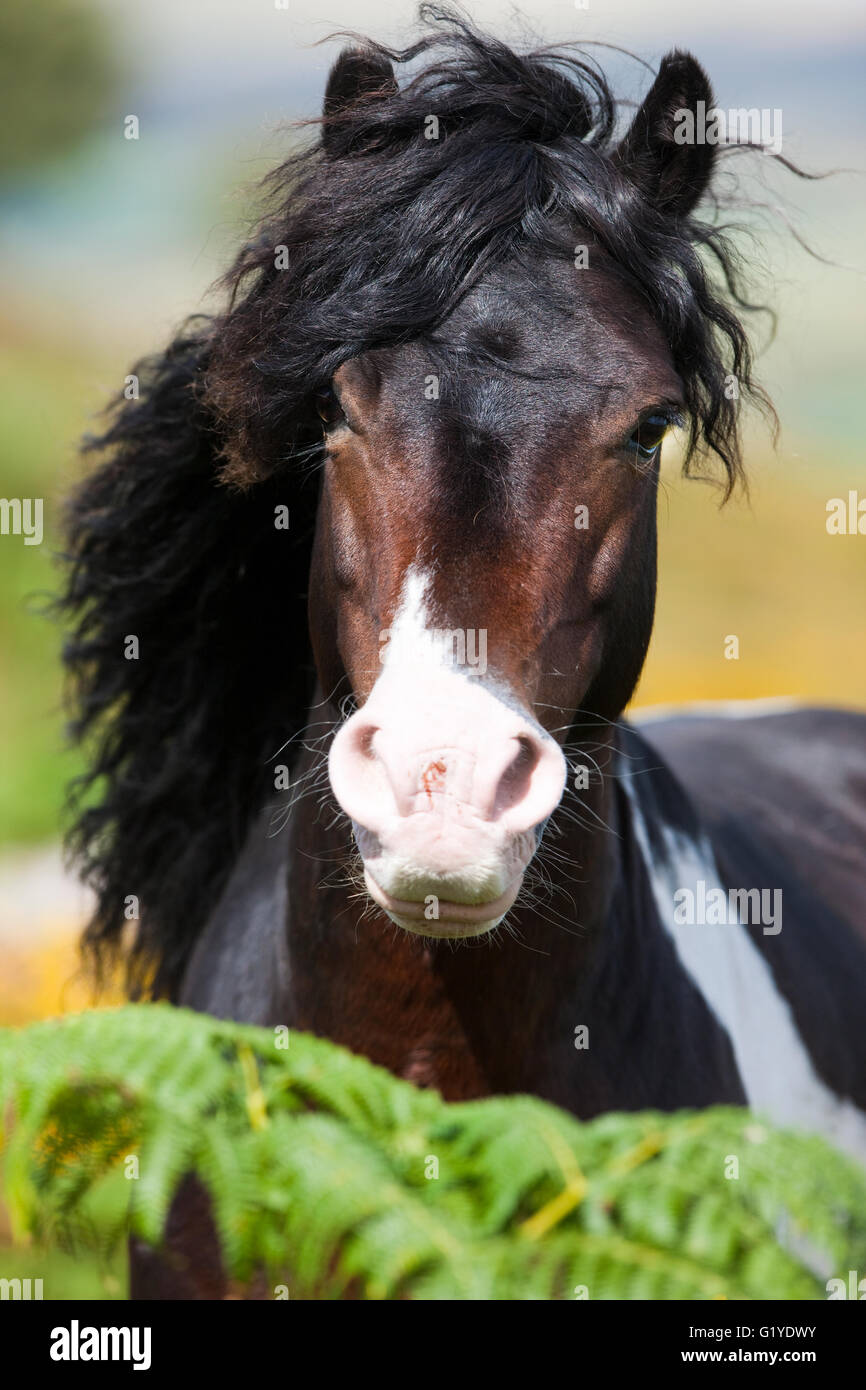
(359, 773)
(529, 750)
(364, 740)
(515, 780)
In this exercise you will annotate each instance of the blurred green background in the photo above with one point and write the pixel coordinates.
(107, 243)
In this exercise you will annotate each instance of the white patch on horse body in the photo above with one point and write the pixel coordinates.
(737, 984)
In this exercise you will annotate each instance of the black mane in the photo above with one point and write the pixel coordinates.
(172, 538)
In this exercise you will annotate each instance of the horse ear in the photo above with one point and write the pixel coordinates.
(356, 74)
(664, 153)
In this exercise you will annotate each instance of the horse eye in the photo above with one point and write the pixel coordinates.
(329, 409)
(647, 438)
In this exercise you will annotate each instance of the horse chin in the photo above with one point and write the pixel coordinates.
(435, 917)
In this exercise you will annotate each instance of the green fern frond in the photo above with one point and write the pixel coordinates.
(329, 1174)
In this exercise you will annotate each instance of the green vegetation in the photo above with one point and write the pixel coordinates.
(337, 1178)
(57, 77)
(46, 395)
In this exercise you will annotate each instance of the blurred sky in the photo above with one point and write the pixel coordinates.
(112, 248)
(203, 56)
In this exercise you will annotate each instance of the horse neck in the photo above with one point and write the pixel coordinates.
(582, 1000)
(469, 1018)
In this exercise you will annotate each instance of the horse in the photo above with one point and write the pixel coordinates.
(360, 589)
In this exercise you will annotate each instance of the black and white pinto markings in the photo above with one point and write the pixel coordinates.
(341, 522)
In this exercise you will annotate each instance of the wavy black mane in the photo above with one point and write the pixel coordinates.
(172, 538)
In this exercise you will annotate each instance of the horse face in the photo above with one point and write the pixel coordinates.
(484, 568)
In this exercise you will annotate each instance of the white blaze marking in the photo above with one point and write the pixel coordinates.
(406, 646)
(736, 982)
